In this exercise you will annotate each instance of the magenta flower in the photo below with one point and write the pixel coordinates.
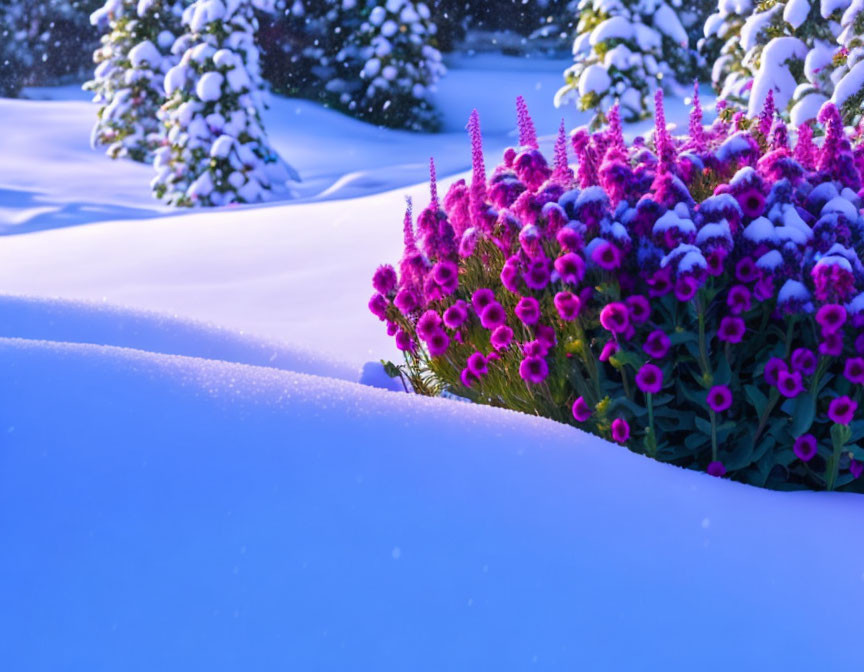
(477, 364)
(546, 334)
(428, 323)
(832, 344)
(789, 383)
(639, 307)
(501, 337)
(437, 342)
(686, 287)
(719, 398)
(534, 370)
(842, 409)
(537, 275)
(773, 368)
(607, 256)
(650, 379)
(570, 267)
(384, 280)
(482, 298)
(528, 310)
(567, 305)
(804, 360)
(620, 430)
(615, 317)
(404, 342)
(406, 301)
(731, 329)
(468, 379)
(856, 468)
(854, 370)
(446, 275)
(569, 239)
(745, 270)
(581, 410)
(510, 276)
(859, 344)
(378, 306)
(752, 203)
(716, 469)
(493, 316)
(657, 344)
(608, 351)
(456, 315)
(831, 317)
(738, 299)
(535, 348)
(805, 447)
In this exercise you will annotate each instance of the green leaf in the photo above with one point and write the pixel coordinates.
(391, 369)
(695, 441)
(758, 400)
(803, 415)
(702, 425)
(723, 374)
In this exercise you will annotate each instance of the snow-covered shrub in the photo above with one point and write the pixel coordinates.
(787, 48)
(721, 47)
(216, 150)
(624, 50)
(700, 300)
(394, 66)
(129, 82)
(848, 73)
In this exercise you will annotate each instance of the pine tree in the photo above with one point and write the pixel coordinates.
(789, 46)
(722, 47)
(129, 82)
(624, 50)
(847, 75)
(395, 65)
(217, 151)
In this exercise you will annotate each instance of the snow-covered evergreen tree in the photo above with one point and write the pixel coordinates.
(129, 82)
(624, 50)
(721, 46)
(396, 63)
(217, 151)
(788, 47)
(848, 73)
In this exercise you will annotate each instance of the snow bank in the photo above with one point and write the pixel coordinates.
(204, 515)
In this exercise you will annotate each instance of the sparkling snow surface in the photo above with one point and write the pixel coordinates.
(177, 492)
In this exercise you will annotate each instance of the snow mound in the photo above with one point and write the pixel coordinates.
(205, 515)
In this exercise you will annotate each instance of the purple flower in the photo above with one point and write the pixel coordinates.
(731, 329)
(477, 364)
(607, 256)
(378, 306)
(537, 275)
(738, 299)
(745, 270)
(546, 334)
(856, 468)
(567, 305)
(832, 344)
(581, 410)
(501, 337)
(534, 370)
(384, 280)
(716, 469)
(406, 301)
(719, 398)
(805, 447)
(608, 351)
(842, 409)
(437, 342)
(404, 342)
(535, 348)
(773, 368)
(429, 323)
(456, 315)
(620, 430)
(570, 267)
(789, 383)
(831, 317)
(804, 360)
(639, 307)
(493, 316)
(569, 239)
(657, 344)
(752, 203)
(615, 317)
(482, 298)
(510, 275)
(446, 275)
(528, 310)
(468, 378)
(854, 370)
(686, 287)
(650, 379)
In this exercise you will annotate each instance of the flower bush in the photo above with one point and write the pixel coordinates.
(697, 299)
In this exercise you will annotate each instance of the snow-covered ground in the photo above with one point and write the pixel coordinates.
(192, 475)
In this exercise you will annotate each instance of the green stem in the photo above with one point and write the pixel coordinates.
(703, 350)
(713, 416)
(652, 440)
